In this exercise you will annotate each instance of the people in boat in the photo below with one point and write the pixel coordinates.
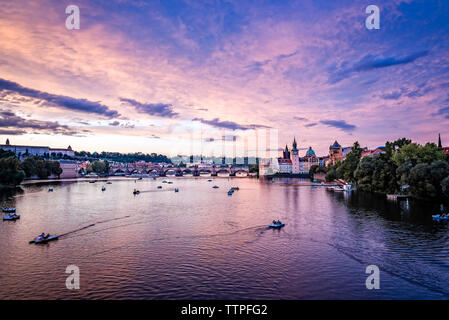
(42, 235)
(274, 221)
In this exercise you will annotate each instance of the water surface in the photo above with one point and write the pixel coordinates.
(201, 243)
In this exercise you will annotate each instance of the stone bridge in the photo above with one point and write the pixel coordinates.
(156, 170)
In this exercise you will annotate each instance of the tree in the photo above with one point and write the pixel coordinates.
(331, 175)
(349, 165)
(426, 179)
(414, 154)
(55, 168)
(384, 175)
(10, 171)
(100, 167)
(364, 174)
(29, 166)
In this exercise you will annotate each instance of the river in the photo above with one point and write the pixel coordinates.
(200, 243)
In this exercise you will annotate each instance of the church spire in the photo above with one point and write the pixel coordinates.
(7, 142)
(294, 143)
(439, 142)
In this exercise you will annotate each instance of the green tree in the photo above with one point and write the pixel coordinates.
(331, 175)
(426, 179)
(10, 171)
(349, 165)
(364, 174)
(55, 168)
(29, 166)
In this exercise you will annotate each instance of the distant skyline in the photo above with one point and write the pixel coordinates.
(153, 76)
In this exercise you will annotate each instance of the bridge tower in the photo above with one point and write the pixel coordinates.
(295, 158)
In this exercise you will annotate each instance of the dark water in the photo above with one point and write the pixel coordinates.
(202, 243)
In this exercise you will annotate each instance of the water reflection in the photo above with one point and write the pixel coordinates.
(201, 243)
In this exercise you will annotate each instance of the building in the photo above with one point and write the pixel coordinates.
(345, 151)
(285, 163)
(295, 158)
(25, 150)
(69, 168)
(309, 160)
(28, 151)
(374, 152)
(62, 152)
(335, 153)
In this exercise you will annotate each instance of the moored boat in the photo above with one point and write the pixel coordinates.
(439, 217)
(11, 217)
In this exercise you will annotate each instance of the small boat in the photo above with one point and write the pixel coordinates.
(170, 182)
(136, 191)
(50, 190)
(230, 192)
(140, 178)
(235, 188)
(438, 217)
(209, 180)
(159, 187)
(11, 217)
(41, 240)
(277, 225)
(215, 187)
(103, 189)
(176, 190)
(109, 182)
(9, 210)
(164, 181)
(92, 181)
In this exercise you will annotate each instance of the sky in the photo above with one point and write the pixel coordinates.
(192, 76)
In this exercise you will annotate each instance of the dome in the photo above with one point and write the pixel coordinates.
(310, 152)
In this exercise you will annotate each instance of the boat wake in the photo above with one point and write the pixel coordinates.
(92, 224)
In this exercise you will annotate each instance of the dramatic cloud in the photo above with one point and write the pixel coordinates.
(16, 123)
(370, 62)
(81, 105)
(339, 124)
(153, 109)
(11, 132)
(228, 124)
